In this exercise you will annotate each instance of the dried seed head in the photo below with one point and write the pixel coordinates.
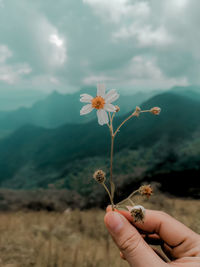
(146, 190)
(137, 111)
(138, 213)
(99, 176)
(155, 110)
(117, 108)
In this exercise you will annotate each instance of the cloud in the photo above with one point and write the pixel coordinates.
(128, 44)
(92, 79)
(36, 46)
(145, 73)
(50, 44)
(140, 73)
(145, 35)
(4, 53)
(115, 10)
(11, 73)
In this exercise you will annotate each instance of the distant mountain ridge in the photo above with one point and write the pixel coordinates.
(14, 99)
(191, 91)
(58, 109)
(33, 156)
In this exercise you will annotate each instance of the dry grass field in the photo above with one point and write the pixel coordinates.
(74, 238)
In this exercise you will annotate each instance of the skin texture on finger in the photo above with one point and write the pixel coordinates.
(130, 242)
(186, 262)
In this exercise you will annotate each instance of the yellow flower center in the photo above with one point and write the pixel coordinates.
(98, 102)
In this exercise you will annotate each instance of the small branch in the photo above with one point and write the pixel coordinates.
(132, 115)
(129, 197)
(142, 111)
(113, 115)
(111, 200)
(132, 204)
(132, 194)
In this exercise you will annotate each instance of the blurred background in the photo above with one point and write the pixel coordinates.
(50, 53)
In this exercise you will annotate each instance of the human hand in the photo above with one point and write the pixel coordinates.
(179, 243)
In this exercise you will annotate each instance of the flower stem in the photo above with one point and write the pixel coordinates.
(111, 168)
(132, 115)
(113, 134)
(129, 117)
(129, 197)
(132, 204)
(132, 194)
(111, 200)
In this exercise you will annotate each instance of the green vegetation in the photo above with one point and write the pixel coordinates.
(150, 148)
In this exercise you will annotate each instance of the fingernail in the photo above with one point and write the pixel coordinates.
(114, 221)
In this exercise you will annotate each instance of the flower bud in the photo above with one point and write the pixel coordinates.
(117, 108)
(99, 176)
(155, 110)
(137, 111)
(138, 213)
(146, 190)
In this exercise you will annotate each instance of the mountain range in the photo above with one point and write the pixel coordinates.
(58, 109)
(147, 147)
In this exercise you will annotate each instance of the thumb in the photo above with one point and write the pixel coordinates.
(136, 251)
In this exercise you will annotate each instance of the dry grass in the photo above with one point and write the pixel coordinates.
(74, 238)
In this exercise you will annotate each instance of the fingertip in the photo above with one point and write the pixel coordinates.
(109, 208)
(114, 221)
(107, 215)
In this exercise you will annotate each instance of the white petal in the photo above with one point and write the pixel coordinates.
(102, 116)
(111, 96)
(109, 107)
(86, 109)
(85, 98)
(101, 90)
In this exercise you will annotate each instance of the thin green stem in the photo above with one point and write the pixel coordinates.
(132, 204)
(113, 115)
(129, 197)
(132, 115)
(113, 134)
(110, 118)
(142, 111)
(111, 168)
(111, 200)
(132, 194)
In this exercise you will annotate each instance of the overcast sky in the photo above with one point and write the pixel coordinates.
(127, 44)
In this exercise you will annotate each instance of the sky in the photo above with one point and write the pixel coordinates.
(129, 45)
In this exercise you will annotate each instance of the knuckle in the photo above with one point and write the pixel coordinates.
(130, 244)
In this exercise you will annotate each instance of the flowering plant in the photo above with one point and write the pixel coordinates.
(106, 111)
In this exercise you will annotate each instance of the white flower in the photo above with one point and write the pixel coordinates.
(102, 103)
